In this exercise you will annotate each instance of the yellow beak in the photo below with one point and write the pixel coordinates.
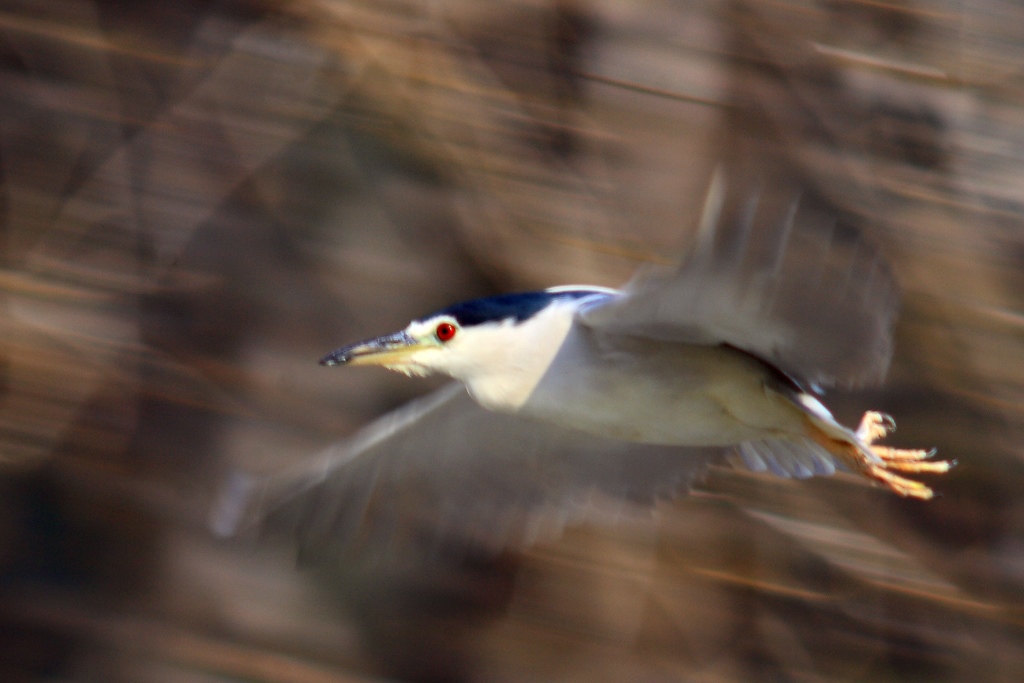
(390, 349)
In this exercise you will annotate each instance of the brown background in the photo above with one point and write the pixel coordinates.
(199, 199)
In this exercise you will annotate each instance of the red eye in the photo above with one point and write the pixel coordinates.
(445, 331)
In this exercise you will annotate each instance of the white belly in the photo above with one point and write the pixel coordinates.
(661, 393)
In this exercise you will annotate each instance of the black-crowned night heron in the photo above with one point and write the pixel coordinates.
(627, 393)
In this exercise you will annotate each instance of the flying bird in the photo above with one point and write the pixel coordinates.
(576, 393)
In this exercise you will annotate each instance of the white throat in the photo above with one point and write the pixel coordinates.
(502, 363)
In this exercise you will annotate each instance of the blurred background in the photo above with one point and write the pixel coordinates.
(199, 199)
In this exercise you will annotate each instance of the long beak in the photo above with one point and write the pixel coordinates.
(390, 349)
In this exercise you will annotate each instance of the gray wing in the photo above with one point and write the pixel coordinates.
(777, 272)
(442, 471)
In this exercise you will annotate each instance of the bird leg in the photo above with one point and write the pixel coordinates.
(889, 464)
(886, 464)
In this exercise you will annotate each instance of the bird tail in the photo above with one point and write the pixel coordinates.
(827, 446)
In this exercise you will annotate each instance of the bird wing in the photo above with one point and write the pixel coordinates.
(441, 472)
(775, 271)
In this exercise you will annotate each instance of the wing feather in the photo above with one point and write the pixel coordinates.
(777, 272)
(442, 471)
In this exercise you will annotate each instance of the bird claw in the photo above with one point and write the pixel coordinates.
(889, 461)
(874, 426)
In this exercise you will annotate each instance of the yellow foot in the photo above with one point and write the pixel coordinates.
(889, 461)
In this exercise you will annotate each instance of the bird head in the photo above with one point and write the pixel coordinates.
(498, 335)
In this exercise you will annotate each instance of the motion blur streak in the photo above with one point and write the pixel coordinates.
(198, 198)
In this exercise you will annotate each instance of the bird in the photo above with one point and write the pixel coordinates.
(572, 392)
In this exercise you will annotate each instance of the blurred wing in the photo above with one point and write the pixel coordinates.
(442, 472)
(776, 272)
